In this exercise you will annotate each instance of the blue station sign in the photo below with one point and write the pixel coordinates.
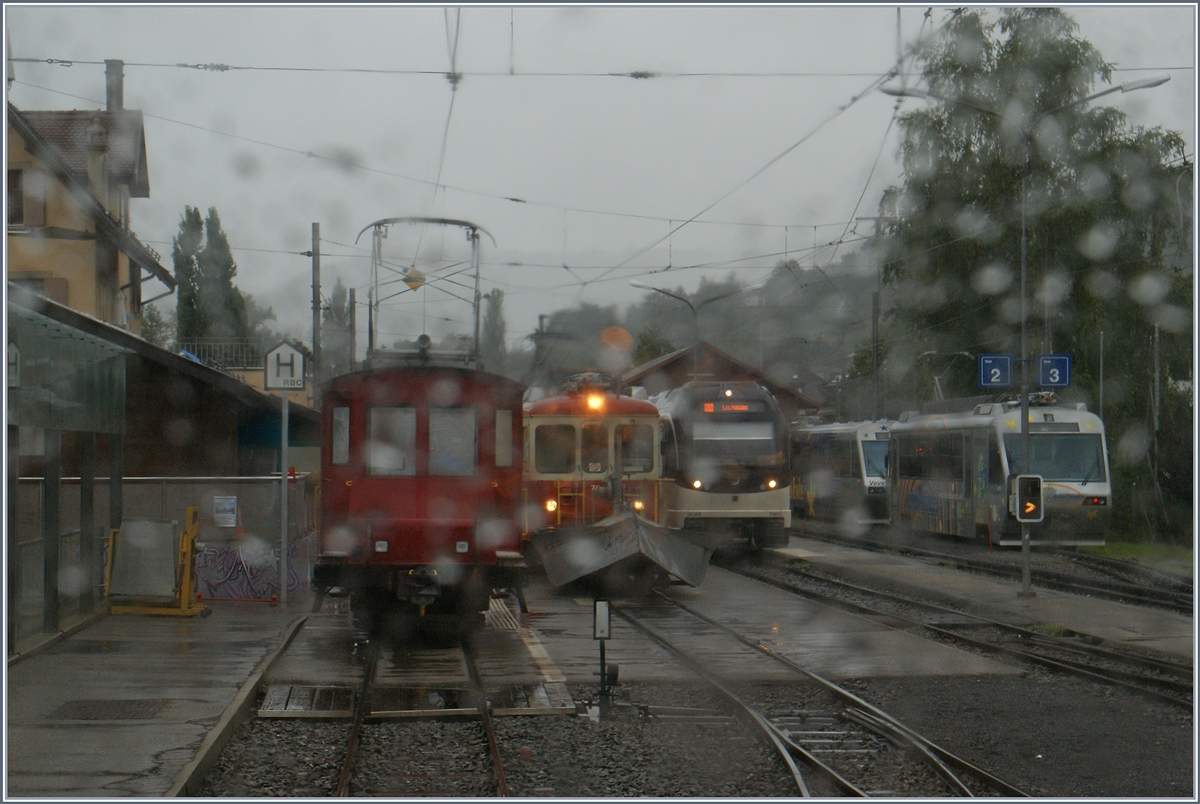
(1054, 371)
(995, 371)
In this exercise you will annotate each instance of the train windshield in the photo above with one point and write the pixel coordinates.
(554, 448)
(734, 440)
(637, 447)
(1069, 457)
(875, 455)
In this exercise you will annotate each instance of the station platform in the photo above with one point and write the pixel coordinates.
(1118, 624)
(121, 707)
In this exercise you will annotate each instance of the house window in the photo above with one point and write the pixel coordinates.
(16, 198)
(26, 203)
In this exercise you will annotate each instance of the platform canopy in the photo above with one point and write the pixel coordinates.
(61, 378)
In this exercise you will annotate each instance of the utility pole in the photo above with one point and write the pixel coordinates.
(316, 304)
(353, 329)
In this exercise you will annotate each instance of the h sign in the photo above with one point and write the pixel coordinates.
(284, 369)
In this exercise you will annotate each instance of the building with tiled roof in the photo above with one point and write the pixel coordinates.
(71, 175)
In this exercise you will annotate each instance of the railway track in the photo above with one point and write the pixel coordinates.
(1069, 653)
(841, 741)
(1101, 583)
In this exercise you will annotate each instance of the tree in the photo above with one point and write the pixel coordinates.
(207, 303)
(155, 328)
(652, 343)
(492, 346)
(335, 333)
(1106, 236)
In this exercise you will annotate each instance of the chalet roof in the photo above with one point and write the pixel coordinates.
(66, 132)
(797, 398)
(54, 161)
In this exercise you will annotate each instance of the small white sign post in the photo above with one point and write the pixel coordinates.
(284, 372)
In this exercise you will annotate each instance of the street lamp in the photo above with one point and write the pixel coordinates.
(1026, 133)
(695, 308)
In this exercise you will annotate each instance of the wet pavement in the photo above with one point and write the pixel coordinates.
(123, 706)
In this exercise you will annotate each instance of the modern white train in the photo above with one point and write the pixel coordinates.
(950, 472)
(840, 471)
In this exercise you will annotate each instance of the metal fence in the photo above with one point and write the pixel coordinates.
(234, 353)
(233, 562)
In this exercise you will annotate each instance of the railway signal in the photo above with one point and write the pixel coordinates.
(1027, 498)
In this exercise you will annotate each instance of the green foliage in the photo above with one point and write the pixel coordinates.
(207, 303)
(651, 344)
(336, 337)
(1107, 231)
(155, 329)
(492, 338)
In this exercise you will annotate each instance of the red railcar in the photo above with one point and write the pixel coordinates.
(573, 444)
(421, 483)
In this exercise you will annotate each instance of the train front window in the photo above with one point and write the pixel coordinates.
(554, 448)
(595, 448)
(452, 444)
(637, 447)
(391, 444)
(875, 455)
(1065, 457)
(733, 440)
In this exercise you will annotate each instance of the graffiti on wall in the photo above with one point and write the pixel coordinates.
(249, 569)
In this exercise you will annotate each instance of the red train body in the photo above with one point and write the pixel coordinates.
(421, 483)
(572, 444)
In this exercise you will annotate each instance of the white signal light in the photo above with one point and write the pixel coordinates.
(551, 506)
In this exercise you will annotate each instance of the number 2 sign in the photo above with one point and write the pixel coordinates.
(995, 371)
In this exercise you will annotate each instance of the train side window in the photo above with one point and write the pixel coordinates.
(340, 437)
(637, 447)
(595, 448)
(554, 448)
(452, 442)
(392, 441)
(504, 438)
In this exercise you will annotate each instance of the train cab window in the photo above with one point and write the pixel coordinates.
(595, 448)
(452, 442)
(340, 435)
(392, 441)
(554, 448)
(875, 457)
(637, 447)
(504, 438)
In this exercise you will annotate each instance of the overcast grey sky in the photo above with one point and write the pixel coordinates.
(602, 164)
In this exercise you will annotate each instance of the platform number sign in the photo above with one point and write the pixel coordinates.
(1054, 371)
(995, 371)
(284, 368)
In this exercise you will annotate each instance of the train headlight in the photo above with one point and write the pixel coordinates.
(696, 484)
(771, 484)
(638, 505)
(462, 546)
(595, 401)
(551, 506)
(381, 546)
